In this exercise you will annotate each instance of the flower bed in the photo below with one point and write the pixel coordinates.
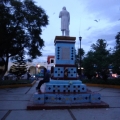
(18, 83)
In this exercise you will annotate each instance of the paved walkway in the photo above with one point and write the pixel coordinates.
(13, 103)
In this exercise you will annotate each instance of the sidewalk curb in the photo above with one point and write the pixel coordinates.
(18, 85)
(102, 85)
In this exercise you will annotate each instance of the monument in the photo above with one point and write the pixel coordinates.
(65, 21)
(65, 90)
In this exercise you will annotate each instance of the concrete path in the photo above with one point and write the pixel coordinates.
(13, 102)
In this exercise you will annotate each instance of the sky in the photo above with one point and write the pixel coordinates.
(83, 16)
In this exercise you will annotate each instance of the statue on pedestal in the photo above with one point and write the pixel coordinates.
(65, 21)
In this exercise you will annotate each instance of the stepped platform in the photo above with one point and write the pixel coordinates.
(49, 106)
(64, 89)
(58, 96)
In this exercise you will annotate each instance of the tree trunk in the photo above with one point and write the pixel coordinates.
(6, 68)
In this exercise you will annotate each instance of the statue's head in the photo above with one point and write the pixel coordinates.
(64, 8)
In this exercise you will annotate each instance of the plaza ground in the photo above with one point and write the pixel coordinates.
(13, 106)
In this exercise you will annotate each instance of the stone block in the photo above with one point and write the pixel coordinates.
(95, 98)
(67, 98)
(50, 98)
(72, 73)
(59, 72)
(85, 98)
(38, 98)
(83, 88)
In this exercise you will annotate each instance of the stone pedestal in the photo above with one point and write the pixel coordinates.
(64, 87)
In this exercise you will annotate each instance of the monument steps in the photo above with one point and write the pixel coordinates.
(50, 106)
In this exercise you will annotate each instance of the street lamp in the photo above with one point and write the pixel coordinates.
(80, 38)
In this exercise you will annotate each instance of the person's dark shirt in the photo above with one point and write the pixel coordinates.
(47, 77)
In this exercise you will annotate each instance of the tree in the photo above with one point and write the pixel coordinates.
(88, 64)
(4, 1)
(21, 25)
(19, 68)
(117, 37)
(97, 58)
(101, 54)
(77, 56)
(116, 55)
(2, 64)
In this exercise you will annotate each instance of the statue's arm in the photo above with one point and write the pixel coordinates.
(60, 15)
(69, 17)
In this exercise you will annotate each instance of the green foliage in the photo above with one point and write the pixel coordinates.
(21, 23)
(116, 55)
(96, 59)
(101, 54)
(4, 1)
(2, 62)
(117, 37)
(77, 55)
(13, 82)
(88, 63)
(100, 81)
(19, 68)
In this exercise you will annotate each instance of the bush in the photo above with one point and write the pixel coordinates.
(100, 81)
(14, 82)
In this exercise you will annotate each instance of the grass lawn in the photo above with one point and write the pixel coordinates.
(14, 82)
(100, 81)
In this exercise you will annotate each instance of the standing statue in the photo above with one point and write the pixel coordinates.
(65, 21)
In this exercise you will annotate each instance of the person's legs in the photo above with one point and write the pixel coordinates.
(66, 32)
(39, 84)
(62, 32)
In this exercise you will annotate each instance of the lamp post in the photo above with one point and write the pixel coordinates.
(80, 38)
